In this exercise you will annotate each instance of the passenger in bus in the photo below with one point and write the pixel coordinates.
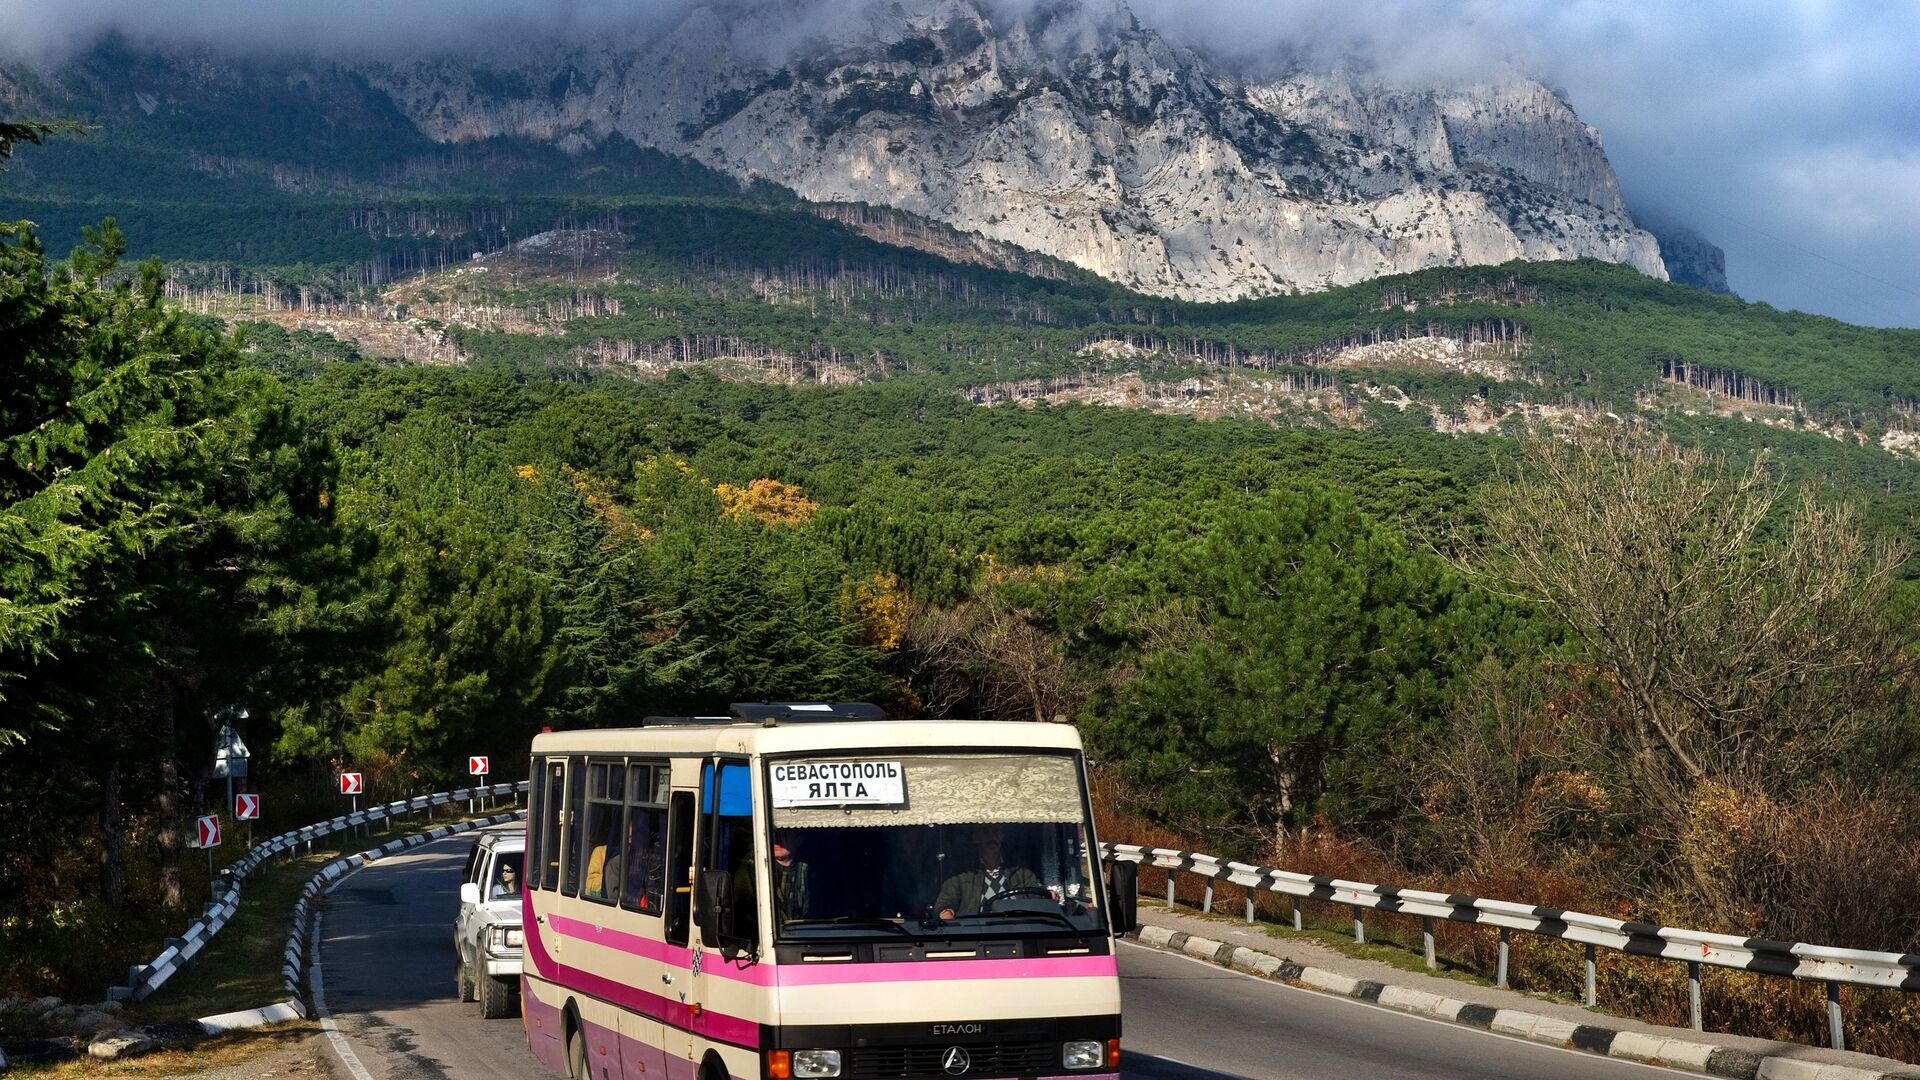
(968, 889)
(635, 867)
(789, 883)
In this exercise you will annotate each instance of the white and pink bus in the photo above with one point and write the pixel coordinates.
(813, 890)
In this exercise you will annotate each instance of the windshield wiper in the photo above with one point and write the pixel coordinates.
(1027, 913)
(860, 921)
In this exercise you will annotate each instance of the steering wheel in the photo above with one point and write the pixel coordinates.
(1018, 890)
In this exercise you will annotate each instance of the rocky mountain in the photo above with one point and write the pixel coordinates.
(1691, 258)
(1065, 127)
(1071, 129)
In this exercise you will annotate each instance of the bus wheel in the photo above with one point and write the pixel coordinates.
(577, 1055)
(713, 1069)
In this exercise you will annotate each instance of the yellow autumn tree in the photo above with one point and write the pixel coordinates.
(881, 607)
(769, 502)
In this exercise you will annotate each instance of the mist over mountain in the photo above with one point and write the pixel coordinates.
(1072, 129)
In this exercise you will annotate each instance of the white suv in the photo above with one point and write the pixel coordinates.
(487, 933)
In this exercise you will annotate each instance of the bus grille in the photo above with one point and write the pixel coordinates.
(923, 1062)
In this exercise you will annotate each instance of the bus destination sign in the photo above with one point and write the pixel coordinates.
(838, 783)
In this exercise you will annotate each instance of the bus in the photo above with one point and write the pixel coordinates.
(815, 890)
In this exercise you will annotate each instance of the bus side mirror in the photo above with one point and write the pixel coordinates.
(716, 894)
(1123, 896)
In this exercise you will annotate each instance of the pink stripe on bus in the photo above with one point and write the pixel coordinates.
(833, 974)
(1055, 967)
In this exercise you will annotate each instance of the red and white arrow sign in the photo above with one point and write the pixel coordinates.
(207, 831)
(350, 783)
(246, 807)
(477, 765)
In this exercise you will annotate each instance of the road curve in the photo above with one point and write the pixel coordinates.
(386, 974)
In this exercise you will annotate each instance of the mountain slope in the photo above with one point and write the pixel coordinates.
(1072, 130)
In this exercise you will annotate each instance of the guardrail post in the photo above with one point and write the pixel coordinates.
(1206, 902)
(1298, 924)
(1836, 1029)
(1506, 941)
(1249, 905)
(1359, 925)
(1593, 995)
(1426, 938)
(1170, 875)
(1693, 993)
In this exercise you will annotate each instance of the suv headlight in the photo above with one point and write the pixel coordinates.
(506, 937)
(1082, 1054)
(816, 1063)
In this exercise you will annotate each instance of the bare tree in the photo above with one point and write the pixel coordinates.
(1746, 639)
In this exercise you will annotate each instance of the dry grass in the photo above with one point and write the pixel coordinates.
(229, 1051)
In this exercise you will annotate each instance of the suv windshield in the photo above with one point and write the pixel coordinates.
(952, 843)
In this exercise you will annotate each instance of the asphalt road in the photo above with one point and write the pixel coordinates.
(387, 976)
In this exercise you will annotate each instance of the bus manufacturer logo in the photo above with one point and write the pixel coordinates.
(956, 1062)
(959, 1029)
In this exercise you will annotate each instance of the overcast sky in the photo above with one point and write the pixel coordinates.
(1787, 132)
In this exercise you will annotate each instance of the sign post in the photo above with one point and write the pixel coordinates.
(230, 754)
(351, 783)
(206, 835)
(476, 767)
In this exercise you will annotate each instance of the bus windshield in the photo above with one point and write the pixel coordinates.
(961, 844)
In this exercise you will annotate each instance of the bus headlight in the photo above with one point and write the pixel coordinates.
(1082, 1054)
(816, 1063)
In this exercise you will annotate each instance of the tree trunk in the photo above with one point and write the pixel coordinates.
(171, 840)
(113, 864)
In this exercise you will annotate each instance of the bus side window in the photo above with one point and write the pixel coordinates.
(552, 810)
(680, 867)
(534, 777)
(574, 838)
(606, 791)
(643, 869)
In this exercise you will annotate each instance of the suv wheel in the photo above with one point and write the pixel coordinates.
(496, 998)
(465, 980)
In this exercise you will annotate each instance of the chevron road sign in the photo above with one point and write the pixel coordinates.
(207, 831)
(351, 783)
(246, 807)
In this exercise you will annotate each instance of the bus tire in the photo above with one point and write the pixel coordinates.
(577, 1055)
(713, 1068)
(496, 998)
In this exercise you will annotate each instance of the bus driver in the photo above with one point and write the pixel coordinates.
(968, 889)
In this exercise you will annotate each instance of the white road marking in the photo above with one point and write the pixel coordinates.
(1589, 1055)
(339, 1040)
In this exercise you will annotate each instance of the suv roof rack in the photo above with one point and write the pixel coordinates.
(772, 713)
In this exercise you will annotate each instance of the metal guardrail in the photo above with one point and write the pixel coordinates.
(144, 979)
(1794, 960)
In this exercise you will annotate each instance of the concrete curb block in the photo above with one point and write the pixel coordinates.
(277, 1013)
(1704, 1058)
